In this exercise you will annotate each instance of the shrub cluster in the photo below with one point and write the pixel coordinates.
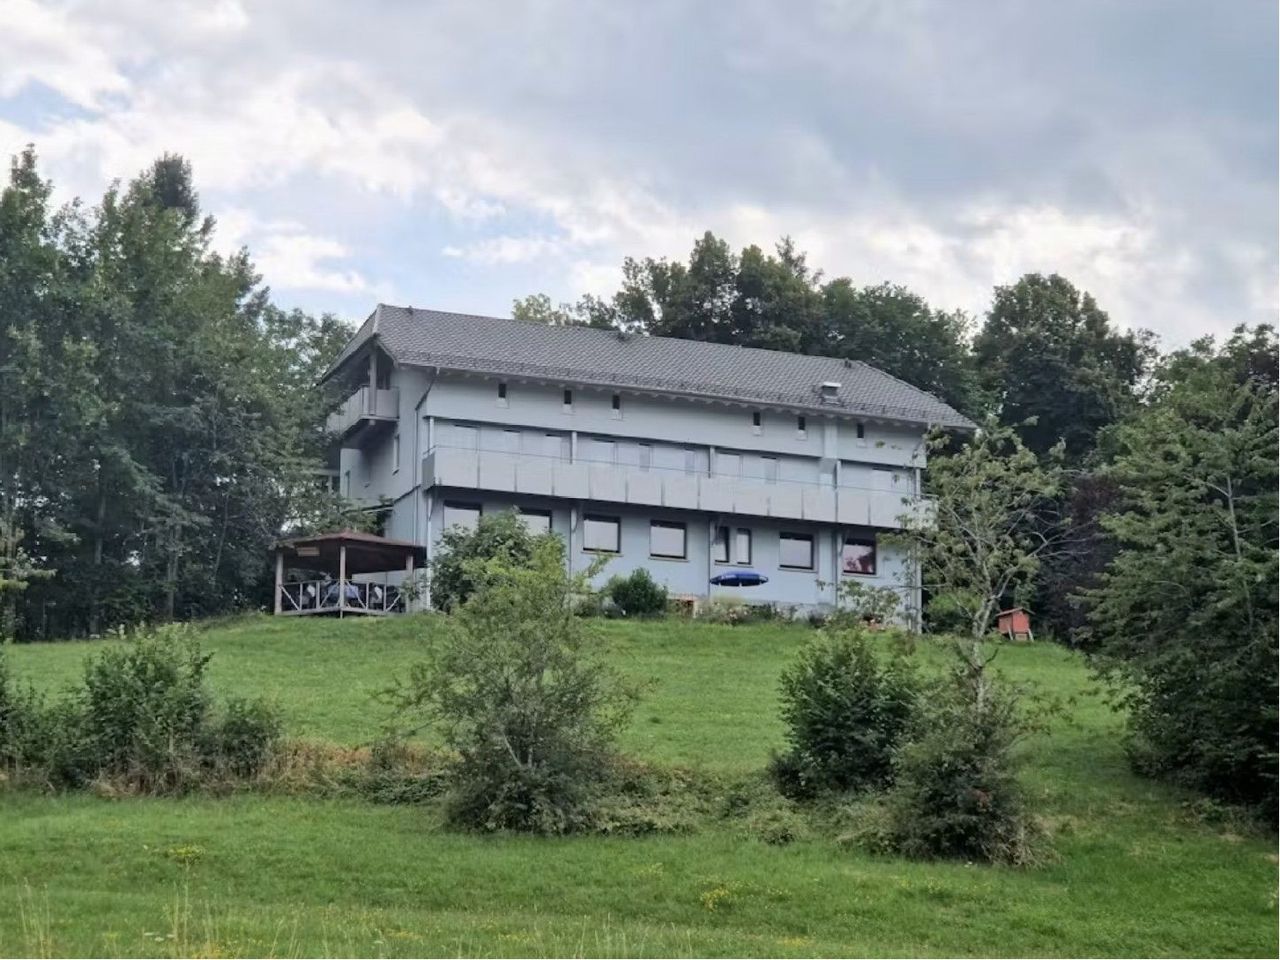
(859, 723)
(142, 719)
(846, 711)
(637, 595)
(520, 693)
(462, 553)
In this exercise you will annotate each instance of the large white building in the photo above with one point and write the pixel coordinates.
(689, 459)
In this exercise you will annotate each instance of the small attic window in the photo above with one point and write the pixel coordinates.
(829, 391)
(502, 394)
(862, 430)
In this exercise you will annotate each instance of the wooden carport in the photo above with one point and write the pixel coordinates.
(339, 557)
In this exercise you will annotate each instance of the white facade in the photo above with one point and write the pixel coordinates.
(803, 497)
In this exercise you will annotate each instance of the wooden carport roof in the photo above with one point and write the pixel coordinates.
(365, 553)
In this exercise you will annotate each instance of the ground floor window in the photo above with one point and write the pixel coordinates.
(795, 551)
(537, 522)
(858, 556)
(601, 534)
(464, 515)
(740, 542)
(668, 540)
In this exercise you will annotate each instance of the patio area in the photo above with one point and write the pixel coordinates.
(317, 575)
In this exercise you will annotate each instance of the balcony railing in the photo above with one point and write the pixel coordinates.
(365, 408)
(340, 596)
(551, 476)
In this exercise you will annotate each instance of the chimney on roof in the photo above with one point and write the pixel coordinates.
(829, 391)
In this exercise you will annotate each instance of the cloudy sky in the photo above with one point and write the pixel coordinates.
(461, 154)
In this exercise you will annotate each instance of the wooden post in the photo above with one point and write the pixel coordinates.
(342, 579)
(279, 577)
(408, 576)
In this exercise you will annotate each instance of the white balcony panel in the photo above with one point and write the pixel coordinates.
(364, 407)
(607, 482)
(753, 498)
(645, 488)
(819, 504)
(853, 506)
(680, 490)
(571, 480)
(497, 471)
(534, 475)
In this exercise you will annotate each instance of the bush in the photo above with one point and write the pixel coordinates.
(521, 695)
(846, 711)
(637, 595)
(956, 794)
(462, 554)
(143, 718)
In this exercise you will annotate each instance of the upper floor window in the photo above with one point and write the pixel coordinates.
(502, 394)
(755, 422)
(646, 456)
(616, 406)
(728, 464)
(668, 540)
(601, 534)
(566, 403)
(795, 551)
(861, 430)
(770, 469)
(858, 556)
(802, 428)
(511, 441)
(464, 515)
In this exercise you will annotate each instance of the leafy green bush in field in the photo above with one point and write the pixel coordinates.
(956, 793)
(462, 554)
(142, 718)
(637, 595)
(846, 709)
(519, 691)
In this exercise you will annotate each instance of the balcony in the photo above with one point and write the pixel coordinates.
(363, 413)
(547, 476)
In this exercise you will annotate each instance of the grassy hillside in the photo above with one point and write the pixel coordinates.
(1136, 874)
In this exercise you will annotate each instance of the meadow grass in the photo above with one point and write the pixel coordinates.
(1135, 872)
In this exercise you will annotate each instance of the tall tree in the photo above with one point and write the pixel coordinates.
(1185, 617)
(1055, 366)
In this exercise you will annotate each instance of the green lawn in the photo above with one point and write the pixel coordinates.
(1135, 874)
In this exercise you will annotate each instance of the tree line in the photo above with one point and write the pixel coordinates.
(159, 422)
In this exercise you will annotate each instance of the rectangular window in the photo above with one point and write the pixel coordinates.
(720, 548)
(464, 515)
(770, 469)
(601, 534)
(668, 540)
(511, 441)
(616, 406)
(802, 428)
(742, 545)
(556, 446)
(795, 551)
(395, 453)
(566, 405)
(755, 422)
(466, 437)
(690, 461)
(502, 394)
(862, 430)
(537, 522)
(858, 556)
(728, 464)
(646, 456)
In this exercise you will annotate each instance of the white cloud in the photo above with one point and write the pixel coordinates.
(288, 255)
(42, 44)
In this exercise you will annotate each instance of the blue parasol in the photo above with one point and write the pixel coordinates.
(739, 578)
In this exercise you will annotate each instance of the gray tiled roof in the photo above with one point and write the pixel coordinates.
(488, 345)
